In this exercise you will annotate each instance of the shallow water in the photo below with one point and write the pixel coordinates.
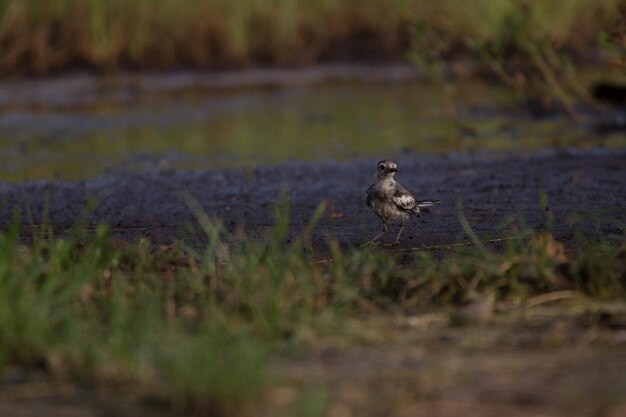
(190, 128)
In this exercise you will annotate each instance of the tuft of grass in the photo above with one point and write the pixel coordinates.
(101, 314)
(195, 328)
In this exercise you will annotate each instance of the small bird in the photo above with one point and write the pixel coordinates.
(391, 201)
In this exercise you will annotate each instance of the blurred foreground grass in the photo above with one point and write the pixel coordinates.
(194, 330)
(40, 36)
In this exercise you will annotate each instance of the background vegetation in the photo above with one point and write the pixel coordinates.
(42, 36)
(531, 45)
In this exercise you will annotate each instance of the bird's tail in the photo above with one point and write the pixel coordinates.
(427, 203)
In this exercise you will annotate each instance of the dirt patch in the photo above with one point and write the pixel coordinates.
(568, 191)
(548, 361)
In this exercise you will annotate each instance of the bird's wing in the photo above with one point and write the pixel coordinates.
(428, 203)
(404, 200)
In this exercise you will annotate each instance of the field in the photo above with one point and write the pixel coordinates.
(516, 317)
(183, 223)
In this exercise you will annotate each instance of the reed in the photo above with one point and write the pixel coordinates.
(42, 36)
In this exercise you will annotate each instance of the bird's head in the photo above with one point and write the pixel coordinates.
(386, 169)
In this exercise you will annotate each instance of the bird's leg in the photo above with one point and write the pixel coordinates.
(399, 233)
(373, 240)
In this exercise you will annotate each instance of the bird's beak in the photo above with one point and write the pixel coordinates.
(393, 169)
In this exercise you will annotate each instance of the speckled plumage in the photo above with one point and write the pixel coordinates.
(390, 200)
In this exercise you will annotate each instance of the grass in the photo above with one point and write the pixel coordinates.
(532, 46)
(43, 36)
(40, 36)
(194, 329)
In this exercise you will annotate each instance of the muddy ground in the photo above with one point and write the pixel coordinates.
(568, 191)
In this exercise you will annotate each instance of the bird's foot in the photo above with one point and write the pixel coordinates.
(391, 245)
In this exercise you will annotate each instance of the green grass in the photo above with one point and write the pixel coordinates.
(532, 46)
(195, 329)
(126, 316)
(43, 36)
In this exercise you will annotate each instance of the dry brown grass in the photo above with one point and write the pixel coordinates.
(38, 36)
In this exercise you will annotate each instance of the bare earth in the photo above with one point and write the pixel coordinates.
(584, 190)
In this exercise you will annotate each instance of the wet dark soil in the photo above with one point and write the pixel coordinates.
(566, 191)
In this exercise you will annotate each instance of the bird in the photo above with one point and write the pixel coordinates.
(391, 201)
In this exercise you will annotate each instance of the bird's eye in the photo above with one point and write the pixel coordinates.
(381, 167)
